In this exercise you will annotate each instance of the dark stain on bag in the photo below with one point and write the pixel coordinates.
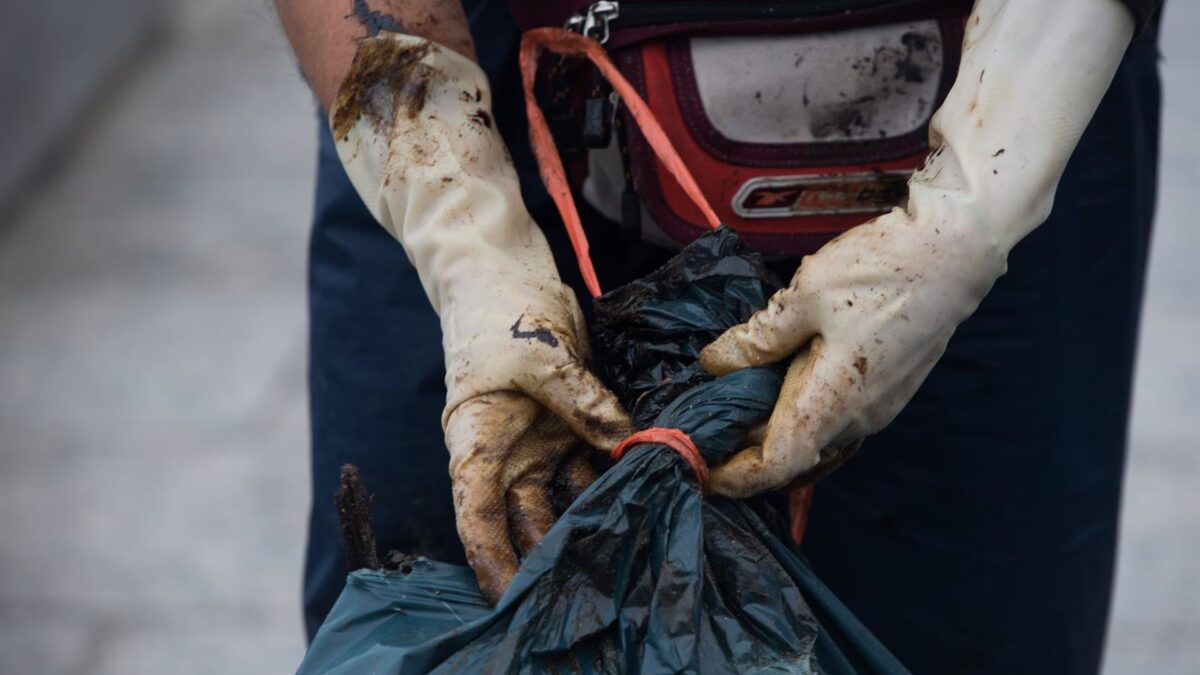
(916, 62)
(386, 76)
(846, 118)
(915, 65)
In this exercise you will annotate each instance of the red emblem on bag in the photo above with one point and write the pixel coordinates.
(777, 196)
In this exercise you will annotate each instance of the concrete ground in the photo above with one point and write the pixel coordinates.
(153, 440)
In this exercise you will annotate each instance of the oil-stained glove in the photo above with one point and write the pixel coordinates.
(872, 311)
(414, 130)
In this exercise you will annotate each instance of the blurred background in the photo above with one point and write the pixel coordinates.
(154, 203)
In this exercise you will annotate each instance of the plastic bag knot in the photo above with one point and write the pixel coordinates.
(674, 439)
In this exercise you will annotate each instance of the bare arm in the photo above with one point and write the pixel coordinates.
(325, 34)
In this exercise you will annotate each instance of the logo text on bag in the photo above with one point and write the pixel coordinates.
(782, 196)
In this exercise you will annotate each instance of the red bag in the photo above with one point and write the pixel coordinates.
(798, 119)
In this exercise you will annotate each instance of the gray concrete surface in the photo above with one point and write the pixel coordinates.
(152, 422)
(56, 59)
(152, 341)
(1155, 626)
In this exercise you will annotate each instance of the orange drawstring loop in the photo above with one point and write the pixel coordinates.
(564, 42)
(673, 439)
(799, 506)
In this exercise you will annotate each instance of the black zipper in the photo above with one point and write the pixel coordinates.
(603, 16)
(640, 14)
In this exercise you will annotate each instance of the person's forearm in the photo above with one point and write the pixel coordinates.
(326, 34)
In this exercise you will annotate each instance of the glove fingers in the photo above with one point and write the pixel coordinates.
(584, 404)
(481, 434)
(530, 511)
(530, 476)
(832, 456)
(574, 476)
(770, 335)
(803, 423)
(756, 435)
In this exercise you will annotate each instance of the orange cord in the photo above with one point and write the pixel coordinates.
(673, 439)
(799, 506)
(564, 42)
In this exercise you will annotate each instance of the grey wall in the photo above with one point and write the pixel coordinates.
(57, 59)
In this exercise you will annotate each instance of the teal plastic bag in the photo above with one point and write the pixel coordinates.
(642, 573)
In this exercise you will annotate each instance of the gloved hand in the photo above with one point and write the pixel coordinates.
(872, 310)
(414, 130)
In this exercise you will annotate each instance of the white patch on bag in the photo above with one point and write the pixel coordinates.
(861, 84)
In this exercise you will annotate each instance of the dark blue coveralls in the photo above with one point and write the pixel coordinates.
(976, 534)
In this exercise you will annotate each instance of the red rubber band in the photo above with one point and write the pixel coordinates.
(673, 439)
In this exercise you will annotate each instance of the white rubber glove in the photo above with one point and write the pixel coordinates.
(874, 308)
(414, 130)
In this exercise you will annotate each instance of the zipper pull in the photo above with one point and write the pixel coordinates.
(593, 21)
(598, 113)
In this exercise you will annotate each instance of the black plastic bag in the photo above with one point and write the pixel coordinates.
(642, 573)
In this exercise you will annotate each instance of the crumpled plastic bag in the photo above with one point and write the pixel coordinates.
(642, 573)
